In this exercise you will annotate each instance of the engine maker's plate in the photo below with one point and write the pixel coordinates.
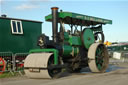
(36, 65)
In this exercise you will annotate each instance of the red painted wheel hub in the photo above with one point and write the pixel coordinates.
(2, 65)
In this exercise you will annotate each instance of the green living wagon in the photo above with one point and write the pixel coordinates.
(17, 36)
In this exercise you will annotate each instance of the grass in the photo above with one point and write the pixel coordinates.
(11, 74)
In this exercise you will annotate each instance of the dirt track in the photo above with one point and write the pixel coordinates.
(117, 77)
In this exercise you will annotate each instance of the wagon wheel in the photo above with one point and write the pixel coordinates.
(2, 65)
(98, 57)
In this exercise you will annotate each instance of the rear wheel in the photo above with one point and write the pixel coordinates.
(98, 57)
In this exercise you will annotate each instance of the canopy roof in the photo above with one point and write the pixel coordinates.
(79, 19)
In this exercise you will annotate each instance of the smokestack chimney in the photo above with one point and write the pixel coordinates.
(4, 15)
(54, 23)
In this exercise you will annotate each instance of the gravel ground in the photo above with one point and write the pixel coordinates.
(115, 75)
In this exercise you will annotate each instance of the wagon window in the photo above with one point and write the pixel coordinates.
(16, 27)
(19, 26)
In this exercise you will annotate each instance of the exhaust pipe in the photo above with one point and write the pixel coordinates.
(55, 23)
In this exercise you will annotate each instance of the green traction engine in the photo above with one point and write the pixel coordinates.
(71, 49)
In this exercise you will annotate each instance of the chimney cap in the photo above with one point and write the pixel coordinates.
(4, 15)
(54, 8)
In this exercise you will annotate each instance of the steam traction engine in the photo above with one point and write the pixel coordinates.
(71, 49)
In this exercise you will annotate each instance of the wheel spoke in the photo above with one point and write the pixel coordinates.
(99, 66)
(99, 57)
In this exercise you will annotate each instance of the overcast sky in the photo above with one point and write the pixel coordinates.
(116, 10)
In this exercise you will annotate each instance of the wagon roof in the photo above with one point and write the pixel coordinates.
(20, 19)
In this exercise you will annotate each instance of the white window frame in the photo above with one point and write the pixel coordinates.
(21, 28)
